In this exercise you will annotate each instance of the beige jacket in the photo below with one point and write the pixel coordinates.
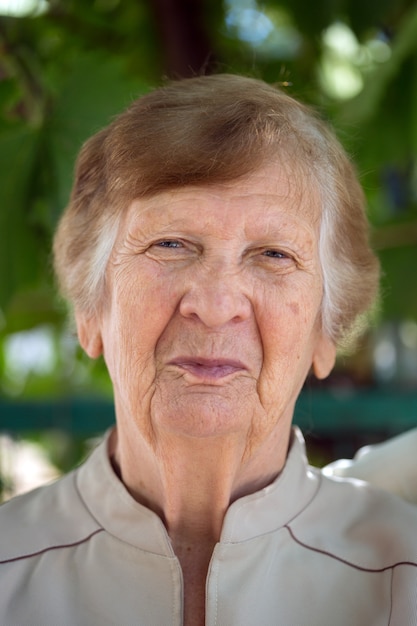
(305, 551)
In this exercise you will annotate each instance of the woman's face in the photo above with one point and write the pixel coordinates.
(211, 319)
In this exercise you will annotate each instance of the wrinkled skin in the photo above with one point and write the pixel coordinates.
(210, 325)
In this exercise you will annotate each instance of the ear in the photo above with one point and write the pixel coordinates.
(324, 357)
(89, 334)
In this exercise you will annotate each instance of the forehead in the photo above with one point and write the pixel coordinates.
(270, 196)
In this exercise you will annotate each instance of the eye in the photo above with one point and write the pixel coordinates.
(170, 250)
(277, 260)
(169, 243)
(275, 254)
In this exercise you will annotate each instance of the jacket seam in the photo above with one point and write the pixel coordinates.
(391, 597)
(50, 548)
(345, 561)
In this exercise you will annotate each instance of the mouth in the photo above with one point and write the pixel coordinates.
(209, 369)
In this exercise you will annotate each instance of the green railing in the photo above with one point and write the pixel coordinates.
(325, 413)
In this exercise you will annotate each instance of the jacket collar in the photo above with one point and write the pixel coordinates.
(256, 514)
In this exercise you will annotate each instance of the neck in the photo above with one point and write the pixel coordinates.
(190, 483)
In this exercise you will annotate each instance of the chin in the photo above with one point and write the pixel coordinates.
(202, 416)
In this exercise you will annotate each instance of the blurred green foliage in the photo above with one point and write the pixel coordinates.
(65, 73)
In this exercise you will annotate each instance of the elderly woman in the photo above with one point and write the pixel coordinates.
(215, 251)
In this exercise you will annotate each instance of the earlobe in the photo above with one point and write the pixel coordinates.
(324, 357)
(89, 334)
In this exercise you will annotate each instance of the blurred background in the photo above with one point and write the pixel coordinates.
(68, 66)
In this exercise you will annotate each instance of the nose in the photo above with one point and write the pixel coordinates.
(216, 299)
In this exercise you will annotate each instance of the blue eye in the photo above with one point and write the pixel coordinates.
(275, 254)
(169, 243)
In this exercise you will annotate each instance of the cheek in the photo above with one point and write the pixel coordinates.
(294, 308)
(288, 327)
(139, 312)
(288, 357)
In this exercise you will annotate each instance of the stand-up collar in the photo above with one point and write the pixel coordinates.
(272, 507)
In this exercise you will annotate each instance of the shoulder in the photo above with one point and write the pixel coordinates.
(47, 518)
(358, 524)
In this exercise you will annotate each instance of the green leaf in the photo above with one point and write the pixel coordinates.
(399, 295)
(413, 106)
(97, 89)
(362, 108)
(19, 248)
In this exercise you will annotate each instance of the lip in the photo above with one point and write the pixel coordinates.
(209, 369)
